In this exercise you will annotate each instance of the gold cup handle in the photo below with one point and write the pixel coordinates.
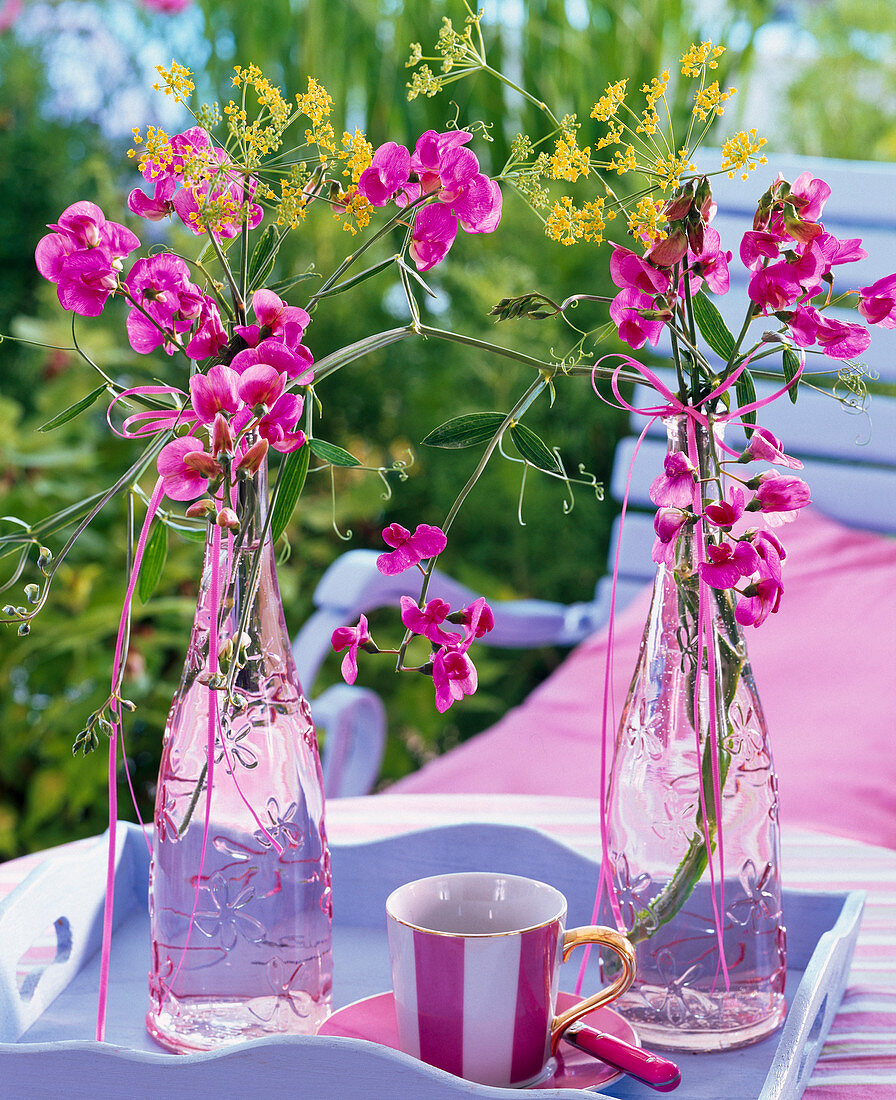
(606, 937)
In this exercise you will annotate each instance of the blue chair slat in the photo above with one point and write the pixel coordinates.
(850, 465)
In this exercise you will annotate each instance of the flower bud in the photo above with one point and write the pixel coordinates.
(202, 463)
(201, 509)
(45, 559)
(24, 628)
(228, 519)
(253, 458)
(222, 436)
(32, 593)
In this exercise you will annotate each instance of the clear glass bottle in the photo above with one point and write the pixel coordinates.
(241, 949)
(655, 822)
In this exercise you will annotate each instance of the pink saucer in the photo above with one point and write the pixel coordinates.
(374, 1019)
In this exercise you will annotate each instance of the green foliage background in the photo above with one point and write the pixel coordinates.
(379, 408)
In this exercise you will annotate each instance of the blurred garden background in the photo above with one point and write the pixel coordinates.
(76, 77)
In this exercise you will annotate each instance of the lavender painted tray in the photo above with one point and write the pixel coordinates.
(46, 1019)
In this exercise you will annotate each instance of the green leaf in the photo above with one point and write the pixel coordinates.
(154, 554)
(468, 430)
(262, 262)
(713, 328)
(285, 284)
(72, 411)
(292, 478)
(533, 449)
(361, 277)
(745, 389)
(329, 452)
(790, 365)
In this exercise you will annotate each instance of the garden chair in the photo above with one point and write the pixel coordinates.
(850, 465)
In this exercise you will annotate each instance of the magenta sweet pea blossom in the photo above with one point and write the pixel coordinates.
(634, 329)
(453, 674)
(166, 303)
(877, 303)
(435, 228)
(837, 339)
(428, 620)
(759, 600)
(278, 424)
(629, 271)
(210, 335)
(215, 392)
(425, 542)
(260, 385)
(185, 468)
(294, 362)
(477, 619)
(674, 487)
(388, 175)
(765, 447)
(778, 495)
(441, 167)
(710, 265)
(83, 256)
(727, 563)
(725, 513)
(352, 638)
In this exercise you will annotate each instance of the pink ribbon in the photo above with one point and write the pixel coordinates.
(673, 406)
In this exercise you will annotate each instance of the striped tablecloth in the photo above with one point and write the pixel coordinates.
(858, 1061)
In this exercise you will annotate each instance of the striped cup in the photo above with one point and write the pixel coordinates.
(475, 969)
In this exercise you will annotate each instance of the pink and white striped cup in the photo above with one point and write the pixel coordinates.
(475, 970)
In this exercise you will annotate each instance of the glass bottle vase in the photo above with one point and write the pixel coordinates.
(656, 833)
(241, 942)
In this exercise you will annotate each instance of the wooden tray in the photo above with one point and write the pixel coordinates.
(47, 1018)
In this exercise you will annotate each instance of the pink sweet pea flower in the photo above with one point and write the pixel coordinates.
(765, 447)
(435, 228)
(837, 339)
(214, 393)
(430, 150)
(388, 174)
(210, 335)
(278, 425)
(453, 674)
(778, 496)
(160, 206)
(183, 465)
(294, 362)
(634, 329)
(477, 619)
(809, 195)
(758, 601)
(428, 620)
(674, 487)
(757, 246)
(426, 542)
(668, 523)
(478, 208)
(160, 285)
(352, 638)
(877, 303)
(711, 263)
(725, 513)
(632, 272)
(82, 256)
(260, 385)
(727, 563)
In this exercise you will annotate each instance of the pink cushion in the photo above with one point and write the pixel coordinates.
(825, 668)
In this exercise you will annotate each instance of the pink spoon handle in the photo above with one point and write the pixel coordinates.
(659, 1073)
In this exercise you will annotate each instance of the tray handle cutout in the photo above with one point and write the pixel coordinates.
(41, 954)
